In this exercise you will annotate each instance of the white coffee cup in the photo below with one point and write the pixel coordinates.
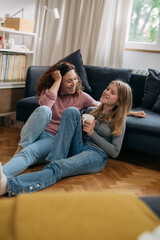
(88, 117)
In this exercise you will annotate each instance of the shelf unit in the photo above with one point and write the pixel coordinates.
(11, 92)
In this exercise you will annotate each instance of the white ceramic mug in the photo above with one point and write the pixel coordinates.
(88, 117)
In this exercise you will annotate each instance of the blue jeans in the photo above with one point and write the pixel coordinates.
(85, 159)
(35, 141)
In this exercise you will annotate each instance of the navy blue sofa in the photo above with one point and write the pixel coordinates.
(142, 134)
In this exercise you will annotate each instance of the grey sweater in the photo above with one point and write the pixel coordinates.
(103, 140)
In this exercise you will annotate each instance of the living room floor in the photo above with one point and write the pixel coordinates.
(133, 172)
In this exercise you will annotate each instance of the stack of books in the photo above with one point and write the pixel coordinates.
(12, 67)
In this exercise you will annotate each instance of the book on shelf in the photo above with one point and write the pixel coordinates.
(12, 67)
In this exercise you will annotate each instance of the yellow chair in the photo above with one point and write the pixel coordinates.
(79, 216)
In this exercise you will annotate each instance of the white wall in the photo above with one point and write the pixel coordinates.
(141, 60)
(13, 6)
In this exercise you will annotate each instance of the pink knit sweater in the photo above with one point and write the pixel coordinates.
(59, 103)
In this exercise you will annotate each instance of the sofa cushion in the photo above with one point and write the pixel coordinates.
(75, 58)
(151, 89)
(100, 77)
(156, 107)
(137, 83)
(149, 125)
(34, 73)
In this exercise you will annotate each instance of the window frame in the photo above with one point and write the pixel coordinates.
(142, 46)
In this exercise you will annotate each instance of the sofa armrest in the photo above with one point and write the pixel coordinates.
(25, 107)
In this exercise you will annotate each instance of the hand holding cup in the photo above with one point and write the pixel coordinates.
(88, 117)
(88, 123)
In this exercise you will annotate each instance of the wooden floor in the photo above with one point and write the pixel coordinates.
(133, 172)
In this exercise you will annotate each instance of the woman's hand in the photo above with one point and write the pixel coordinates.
(140, 114)
(56, 75)
(88, 127)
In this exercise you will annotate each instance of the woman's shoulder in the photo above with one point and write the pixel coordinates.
(81, 93)
(86, 99)
(86, 96)
(90, 109)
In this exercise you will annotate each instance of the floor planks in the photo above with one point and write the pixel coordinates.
(133, 172)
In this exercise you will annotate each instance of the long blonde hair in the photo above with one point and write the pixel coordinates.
(118, 114)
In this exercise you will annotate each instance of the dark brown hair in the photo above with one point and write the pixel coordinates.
(46, 80)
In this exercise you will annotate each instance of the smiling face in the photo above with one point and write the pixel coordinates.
(69, 83)
(110, 96)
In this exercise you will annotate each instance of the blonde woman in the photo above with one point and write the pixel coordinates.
(103, 138)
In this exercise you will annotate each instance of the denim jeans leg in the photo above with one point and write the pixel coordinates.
(69, 129)
(87, 162)
(35, 125)
(29, 155)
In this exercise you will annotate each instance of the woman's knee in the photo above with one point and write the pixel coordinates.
(72, 112)
(44, 112)
(30, 155)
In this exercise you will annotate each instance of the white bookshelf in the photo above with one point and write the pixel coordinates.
(30, 54)
(16, 51)
(11, 89)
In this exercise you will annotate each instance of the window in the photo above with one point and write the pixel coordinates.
(144, 30)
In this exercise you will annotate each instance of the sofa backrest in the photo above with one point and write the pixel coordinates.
(100, 77)
(136, 81)
(33, 75)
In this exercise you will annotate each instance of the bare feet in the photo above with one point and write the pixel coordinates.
(19, 148)
(3, 181)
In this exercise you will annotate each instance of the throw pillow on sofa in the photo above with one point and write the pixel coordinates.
(151, 89)
(102, 76)
(156, 107)
(75, 58)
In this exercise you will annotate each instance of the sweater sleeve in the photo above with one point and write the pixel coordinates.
(47, 98)
(111, 148)
(89, 101)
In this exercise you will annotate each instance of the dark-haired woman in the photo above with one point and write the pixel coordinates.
(59, 88)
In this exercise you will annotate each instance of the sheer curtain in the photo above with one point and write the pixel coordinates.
(112, 33)
(97, 27)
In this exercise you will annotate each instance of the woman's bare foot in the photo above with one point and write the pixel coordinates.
(19, 148)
